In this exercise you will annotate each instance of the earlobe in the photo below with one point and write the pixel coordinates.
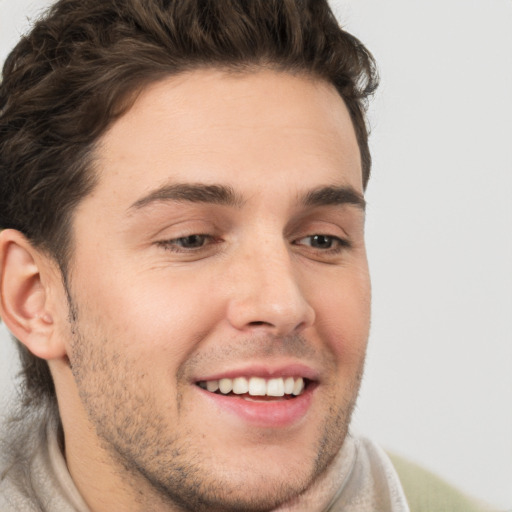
(24, 304)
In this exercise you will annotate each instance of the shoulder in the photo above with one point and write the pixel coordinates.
(29, 481)
(17, 453)
(426, 492)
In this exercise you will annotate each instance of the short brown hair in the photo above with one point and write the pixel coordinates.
(82, 65)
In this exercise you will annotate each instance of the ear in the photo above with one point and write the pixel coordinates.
(26, 280)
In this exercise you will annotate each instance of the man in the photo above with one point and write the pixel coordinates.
(183, 260)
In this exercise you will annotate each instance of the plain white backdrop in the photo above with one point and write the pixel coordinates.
(438, 384)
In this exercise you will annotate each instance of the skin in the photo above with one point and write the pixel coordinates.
(146, 316)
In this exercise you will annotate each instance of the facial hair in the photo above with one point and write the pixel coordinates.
(163, 466)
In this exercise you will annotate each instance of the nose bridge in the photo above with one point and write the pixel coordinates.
(266, 292)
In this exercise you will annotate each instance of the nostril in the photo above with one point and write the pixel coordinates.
(258, 323)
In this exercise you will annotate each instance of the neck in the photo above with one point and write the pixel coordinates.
(326, 489)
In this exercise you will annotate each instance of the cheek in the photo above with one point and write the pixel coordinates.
(156, 318)
(343, 317)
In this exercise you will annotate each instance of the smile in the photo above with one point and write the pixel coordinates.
(256, 386)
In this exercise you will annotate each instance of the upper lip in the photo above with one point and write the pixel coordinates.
(264, 371)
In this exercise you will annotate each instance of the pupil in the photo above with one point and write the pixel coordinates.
(193, 241)
(322, 241)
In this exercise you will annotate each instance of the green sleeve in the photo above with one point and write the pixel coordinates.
(426, 492)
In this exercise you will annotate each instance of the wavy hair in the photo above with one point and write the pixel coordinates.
(82, 66)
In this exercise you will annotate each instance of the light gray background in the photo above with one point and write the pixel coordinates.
(438, 386)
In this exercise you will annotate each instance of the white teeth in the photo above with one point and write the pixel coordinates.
(289, 383)
(212, 385)
(256, 386)
(225, 386)
(240, 385)
(298, 387)
(275, 387)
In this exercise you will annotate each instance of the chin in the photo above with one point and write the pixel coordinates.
(233, 491)
(261, 478)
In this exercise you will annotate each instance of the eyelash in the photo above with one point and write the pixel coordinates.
(176, 244)
(340, 244)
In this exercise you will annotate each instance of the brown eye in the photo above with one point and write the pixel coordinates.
(191, 241)
(323, 245)
(191, 247)
(321, 241)
(185, 244)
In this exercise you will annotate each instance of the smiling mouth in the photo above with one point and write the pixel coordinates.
(257, 388)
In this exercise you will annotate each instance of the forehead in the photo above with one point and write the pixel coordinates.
(243, 129)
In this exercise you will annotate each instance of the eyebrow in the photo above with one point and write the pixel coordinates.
(226, 195)
(193, 193)
(334, 195)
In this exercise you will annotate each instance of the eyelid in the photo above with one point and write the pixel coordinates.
(170, 223)
(171, 244)
(340, 246)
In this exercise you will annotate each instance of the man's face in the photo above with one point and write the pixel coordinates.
(223, 245)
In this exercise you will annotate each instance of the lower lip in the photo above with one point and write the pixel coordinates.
(271, 414)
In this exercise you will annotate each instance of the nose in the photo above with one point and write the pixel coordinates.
(266, 294)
